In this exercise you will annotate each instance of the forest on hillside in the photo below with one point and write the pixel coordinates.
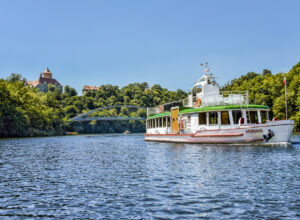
(25, 111)
(268, 89)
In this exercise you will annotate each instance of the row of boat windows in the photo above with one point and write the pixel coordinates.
(212, 117)
(159, 122)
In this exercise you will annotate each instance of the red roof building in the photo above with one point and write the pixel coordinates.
(44, 80)
(89, 88)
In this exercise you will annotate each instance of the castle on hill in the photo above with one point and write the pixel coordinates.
(44, 80)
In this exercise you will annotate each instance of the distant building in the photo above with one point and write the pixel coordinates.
(44, 80)
(89, 88)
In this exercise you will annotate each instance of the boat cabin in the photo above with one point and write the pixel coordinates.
(191, 120)
(211, 116)
(205, 108)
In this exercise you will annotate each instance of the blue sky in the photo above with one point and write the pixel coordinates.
(159, 42)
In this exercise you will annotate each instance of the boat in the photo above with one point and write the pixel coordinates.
(211, 116)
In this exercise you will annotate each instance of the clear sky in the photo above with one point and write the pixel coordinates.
(159, 42)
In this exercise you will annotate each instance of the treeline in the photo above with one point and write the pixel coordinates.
(138, 94)
(25, 111)
(268, 89)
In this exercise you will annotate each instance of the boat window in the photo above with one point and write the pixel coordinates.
(213, 118)
(225, 118)
(164, 122)
(202, 118)
(212, 81)
(168, 122)
(236, 115)
(253, 116)
(263, 115)
(197, 89)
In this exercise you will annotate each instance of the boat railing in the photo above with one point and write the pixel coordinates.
(223, 98)
(165, 107)
(213, 99)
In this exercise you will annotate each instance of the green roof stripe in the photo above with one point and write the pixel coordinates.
(221, 107)
(210, 108)
(159, 115)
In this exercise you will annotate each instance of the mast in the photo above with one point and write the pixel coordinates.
(284, 81)
(206, 67)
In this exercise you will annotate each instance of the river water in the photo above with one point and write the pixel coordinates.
(123, 177)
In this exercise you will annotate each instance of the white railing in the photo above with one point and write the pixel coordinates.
(223, 98)
(165, 107)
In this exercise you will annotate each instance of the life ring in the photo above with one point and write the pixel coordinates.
(198, 102)
(181, 125)
(241, 121)
(275, 119)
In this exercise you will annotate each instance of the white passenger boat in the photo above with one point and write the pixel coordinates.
(211, 116)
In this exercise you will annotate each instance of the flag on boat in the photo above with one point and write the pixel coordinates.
(206, 70)
(284, 80)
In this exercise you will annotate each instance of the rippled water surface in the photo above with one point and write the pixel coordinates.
(121, 176)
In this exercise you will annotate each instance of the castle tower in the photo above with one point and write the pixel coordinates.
(44, 80)
(47, 74)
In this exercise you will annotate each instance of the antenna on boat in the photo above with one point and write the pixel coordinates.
(286, 109)
(206, 67)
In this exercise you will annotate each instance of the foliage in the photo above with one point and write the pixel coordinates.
(268, 89)
(25, 111)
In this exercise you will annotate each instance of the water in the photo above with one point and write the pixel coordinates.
(121, 176)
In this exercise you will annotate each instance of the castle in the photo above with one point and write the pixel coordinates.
(44, 80)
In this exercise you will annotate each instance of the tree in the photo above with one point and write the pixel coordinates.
(266, 72)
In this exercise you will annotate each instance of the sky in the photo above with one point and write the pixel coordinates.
(155, 41)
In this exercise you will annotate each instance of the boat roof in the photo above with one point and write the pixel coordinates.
(211, 108)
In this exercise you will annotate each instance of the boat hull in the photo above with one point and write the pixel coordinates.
(269, 133)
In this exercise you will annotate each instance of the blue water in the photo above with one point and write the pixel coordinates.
(121, 176)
